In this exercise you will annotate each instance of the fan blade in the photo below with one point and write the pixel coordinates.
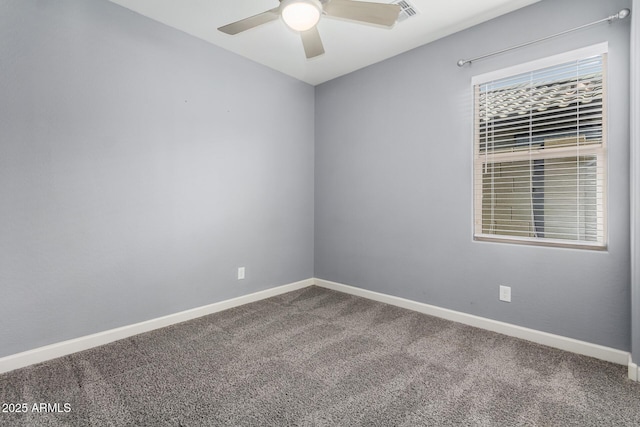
(312, 43)
(371, 13)
(250, 22)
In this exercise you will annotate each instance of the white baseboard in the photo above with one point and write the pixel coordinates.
(634, 373)
(42, 354)
(551, 340)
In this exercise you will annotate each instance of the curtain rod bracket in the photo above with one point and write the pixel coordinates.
(620, 15)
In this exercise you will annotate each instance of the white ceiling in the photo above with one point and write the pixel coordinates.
(349, 46)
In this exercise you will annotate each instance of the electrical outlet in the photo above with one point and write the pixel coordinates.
(240, 273)
(505, 293)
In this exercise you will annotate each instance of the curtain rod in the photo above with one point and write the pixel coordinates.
(620, 15)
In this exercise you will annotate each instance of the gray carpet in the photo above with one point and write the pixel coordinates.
(323, 358)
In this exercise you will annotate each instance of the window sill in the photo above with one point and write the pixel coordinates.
(596, 246)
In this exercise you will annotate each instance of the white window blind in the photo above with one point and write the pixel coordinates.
(540, 155)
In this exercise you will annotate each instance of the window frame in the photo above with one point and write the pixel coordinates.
(600, 151)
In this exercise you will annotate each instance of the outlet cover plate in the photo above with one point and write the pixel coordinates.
(505, 293)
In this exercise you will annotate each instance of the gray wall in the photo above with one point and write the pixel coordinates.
(139, 167)
(393, 197)
(635, 183)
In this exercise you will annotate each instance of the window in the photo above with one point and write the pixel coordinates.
(540, 152)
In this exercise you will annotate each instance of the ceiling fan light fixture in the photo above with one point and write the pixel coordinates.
(300, 15)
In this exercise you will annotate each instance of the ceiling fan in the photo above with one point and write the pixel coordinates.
(302, 16)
